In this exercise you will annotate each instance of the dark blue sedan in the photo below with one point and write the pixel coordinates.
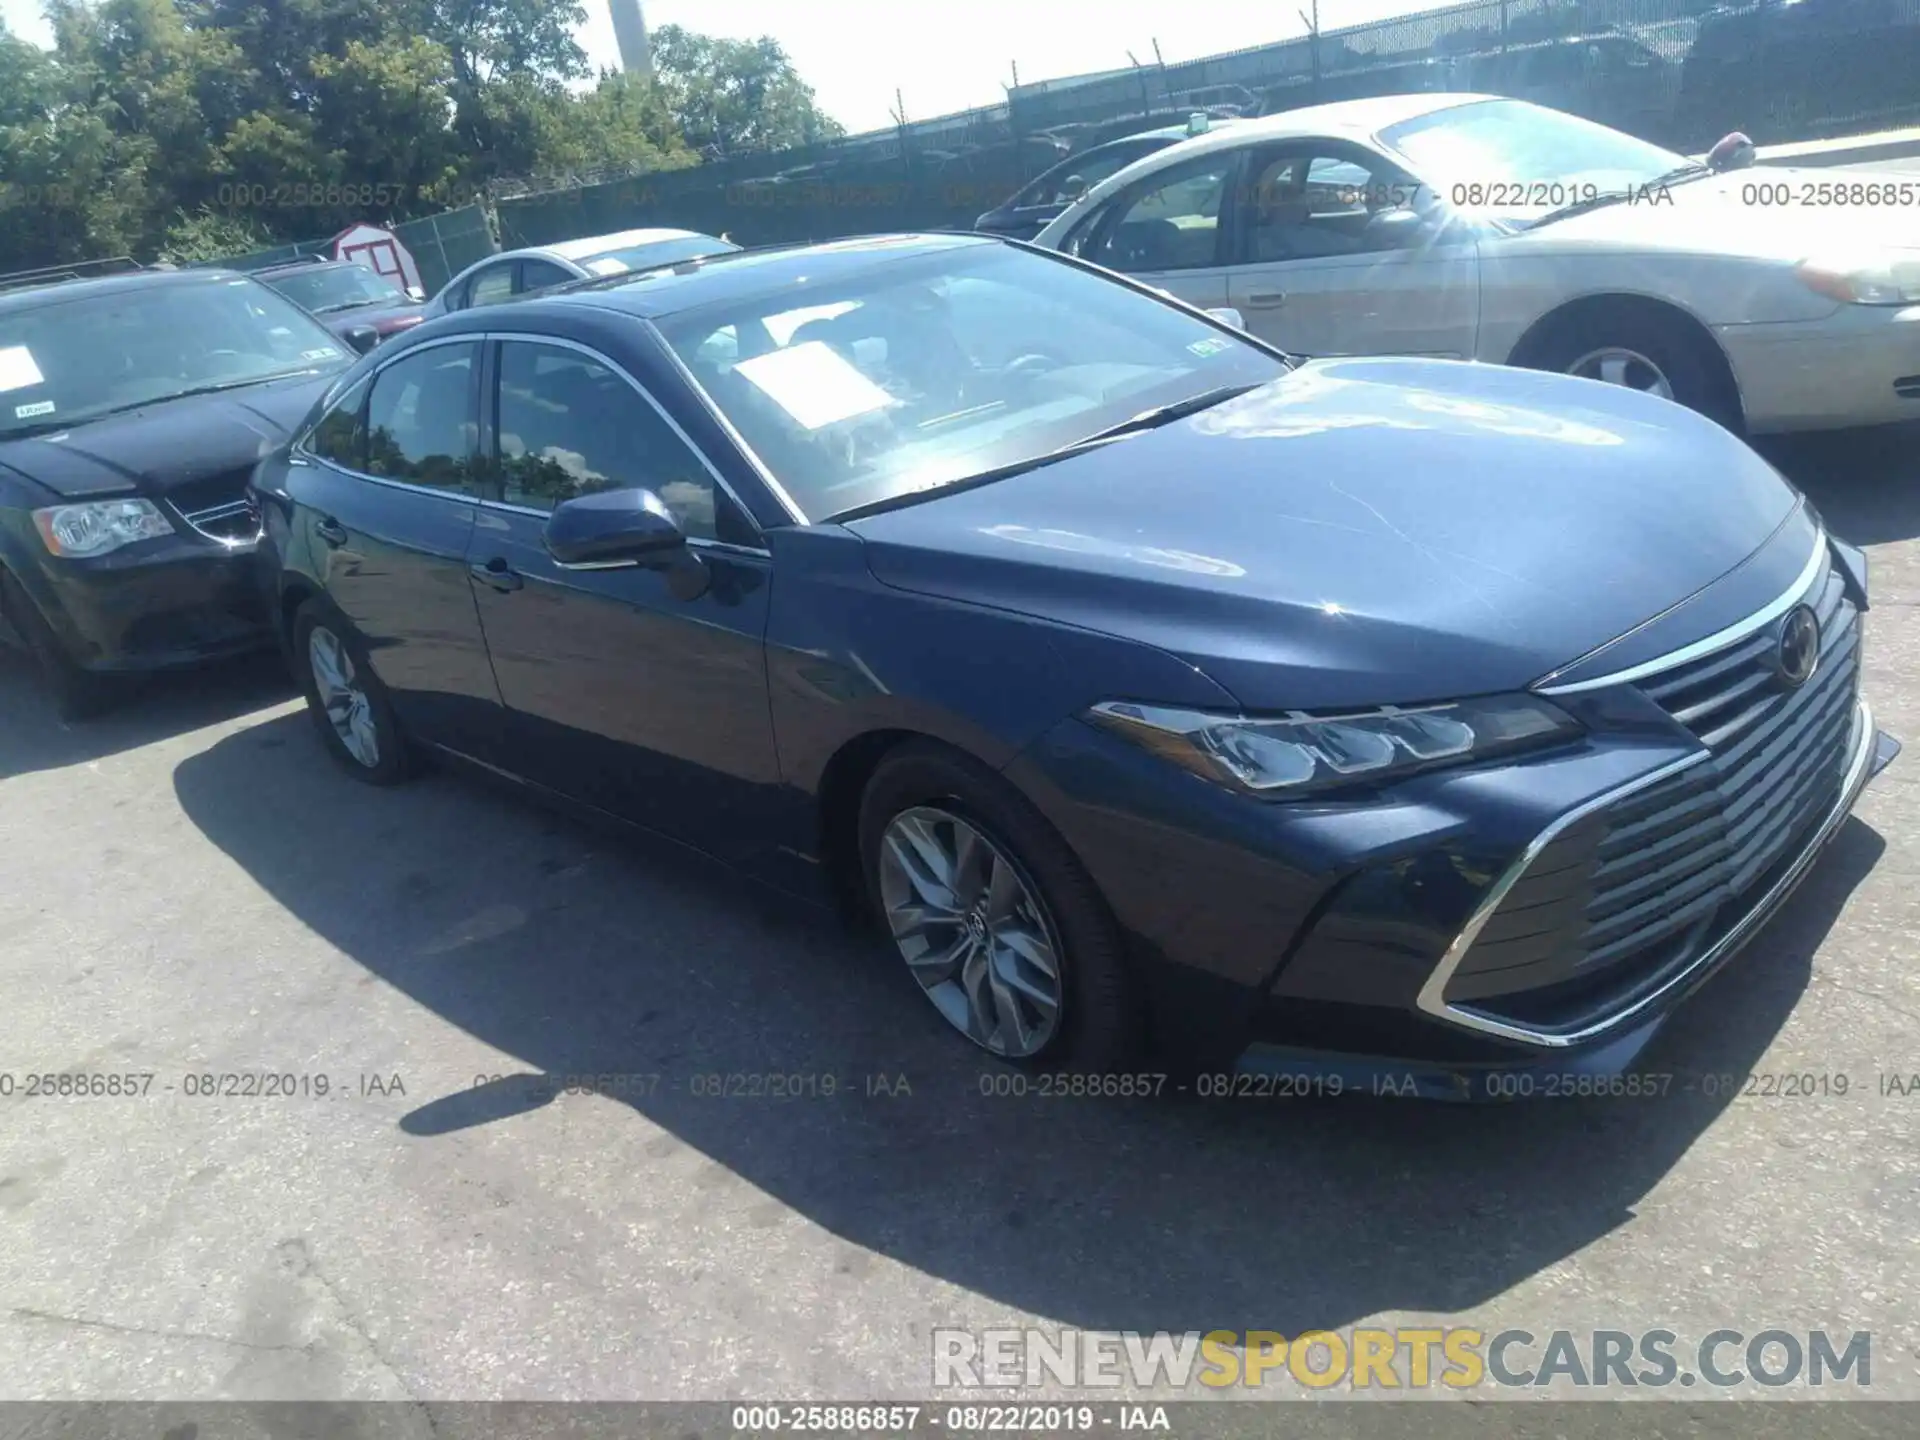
(1159, 696)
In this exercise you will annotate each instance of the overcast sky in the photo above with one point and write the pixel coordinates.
(855, 53)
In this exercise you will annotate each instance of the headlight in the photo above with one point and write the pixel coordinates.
(1280, 757)
(98, 526)
(1886, 277)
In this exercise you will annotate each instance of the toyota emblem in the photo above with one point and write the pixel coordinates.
(1799, 647)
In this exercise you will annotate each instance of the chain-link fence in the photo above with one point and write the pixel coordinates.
(441, 245)
(1679, 72)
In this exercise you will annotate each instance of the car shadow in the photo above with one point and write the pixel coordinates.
(1865, 483)
(34, 737)
(577, 954)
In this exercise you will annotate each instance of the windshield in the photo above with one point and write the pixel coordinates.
(658, 252)
(335, 287)
(929, 370)
(1509, 158)
(75, 358)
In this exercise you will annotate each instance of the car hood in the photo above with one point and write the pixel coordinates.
(1715, 215)
(167, 444)
(386, 318)
(1362, 532)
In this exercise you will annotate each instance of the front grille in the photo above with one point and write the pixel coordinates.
(1618, 902)
(218, 508)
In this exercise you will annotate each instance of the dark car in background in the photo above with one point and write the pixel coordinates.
(349, 298)
(1784, 70)
(1026, 214)
(1142, 683)
(133, 407)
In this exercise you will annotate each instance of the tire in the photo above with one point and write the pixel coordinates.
(1097, 1023)
(392, 758)
(77, 693)
(1695, 374)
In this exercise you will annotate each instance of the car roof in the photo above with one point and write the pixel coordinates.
(1354, 118)
(316, 262)
(588, 245)
(31, 297)
(653, 294)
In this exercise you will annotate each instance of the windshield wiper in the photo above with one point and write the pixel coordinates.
(1145, 420)
(28, 432)
(1680, 174)
(1165, 414)
(359, 304)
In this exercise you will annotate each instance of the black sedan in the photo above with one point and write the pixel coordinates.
(353, 302)
(1146, 686)
(132, 411)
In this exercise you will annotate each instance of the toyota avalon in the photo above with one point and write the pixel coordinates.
(1148, 688)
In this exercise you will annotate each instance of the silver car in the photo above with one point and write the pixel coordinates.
(537, 267)
(1482, 228)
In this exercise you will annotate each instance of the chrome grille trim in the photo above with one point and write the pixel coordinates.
(1719, 640)
(1432, 999)
(233, 524)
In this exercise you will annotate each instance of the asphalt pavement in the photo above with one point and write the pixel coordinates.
(191, 890)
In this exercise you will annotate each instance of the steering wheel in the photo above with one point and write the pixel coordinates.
(1032, 363)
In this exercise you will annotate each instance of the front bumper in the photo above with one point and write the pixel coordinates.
(1571, 1064)
(1538, 917)
(1858, 366)
(161, 603)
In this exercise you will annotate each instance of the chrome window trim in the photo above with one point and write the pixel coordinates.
(298, 452)
(727, 428)
(1432, 999)
(303, 456)
(530, 338)
(1719, 640)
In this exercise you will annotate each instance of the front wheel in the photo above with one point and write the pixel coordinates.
(349, 705)
(1648, 353)
(997, 922)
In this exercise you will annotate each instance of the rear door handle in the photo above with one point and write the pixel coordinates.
(497, 573)
(330, 530)
(1266, 299)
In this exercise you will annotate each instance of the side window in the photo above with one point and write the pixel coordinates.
(1308, 207)
(1172, 222)
(491, 285)
(420, 421)
(539, 274)
(341, 435)
(1067, 183)
(570, 426)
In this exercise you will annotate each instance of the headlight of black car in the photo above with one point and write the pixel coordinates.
(1281, 757)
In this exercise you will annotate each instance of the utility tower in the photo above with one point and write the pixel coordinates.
(630, 31)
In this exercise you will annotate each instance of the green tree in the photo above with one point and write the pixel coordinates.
(735, 96)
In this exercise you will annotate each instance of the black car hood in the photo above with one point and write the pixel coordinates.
(1363, 532)
(167, 444)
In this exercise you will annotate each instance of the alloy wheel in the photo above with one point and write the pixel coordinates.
(342, 696)
(1617, 365)
(972, 931)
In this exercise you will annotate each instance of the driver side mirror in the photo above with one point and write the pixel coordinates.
(1732, 152)
(363, 338)
(1227, 315)
(614, 527)
(1398, 229)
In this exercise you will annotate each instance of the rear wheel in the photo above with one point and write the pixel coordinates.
(77, 692)
(996, 920)
(350, 707)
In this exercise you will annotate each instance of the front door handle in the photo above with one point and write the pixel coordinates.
(330, 530)
(1266, 300)
(497, 573)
